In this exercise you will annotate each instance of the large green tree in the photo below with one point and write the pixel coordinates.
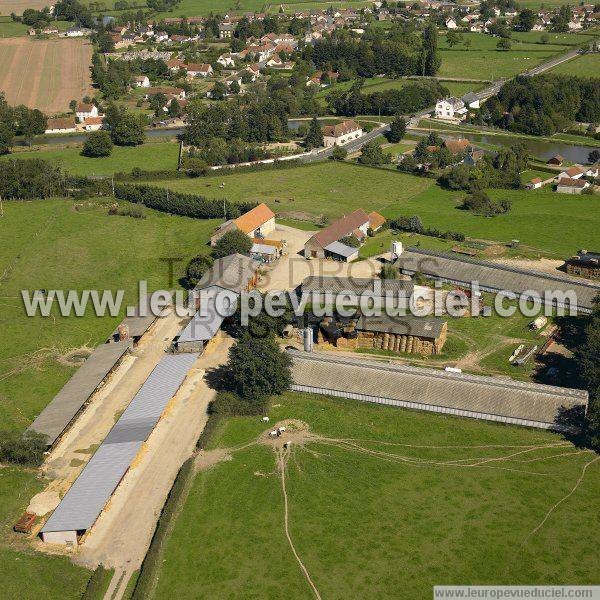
(97, 144)
(126, 129)
(231, 243)
(314, 136)
(257, 368)
(397, 130)
(430, 58)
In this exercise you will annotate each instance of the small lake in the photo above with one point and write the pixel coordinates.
(539, 149)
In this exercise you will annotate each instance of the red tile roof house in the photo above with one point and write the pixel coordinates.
(574, 172)
(534, 183)
(336, 135)
(356, 223)
(199, 70)
(567, 185)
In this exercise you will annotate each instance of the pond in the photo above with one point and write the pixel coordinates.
(537, 148)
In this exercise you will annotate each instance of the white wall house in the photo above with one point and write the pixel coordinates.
(141, 81)
(342, 133)
(85, 111)
(450, 108)
(451, 23)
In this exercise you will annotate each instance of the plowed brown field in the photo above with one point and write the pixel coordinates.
(45, 74)
(18, 6)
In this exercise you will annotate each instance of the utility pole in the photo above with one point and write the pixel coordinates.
(1, 207)
(113, 185)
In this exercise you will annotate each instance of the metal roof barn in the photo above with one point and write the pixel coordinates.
(475, 396)
(202, 327)
(493, 277)
(65, 406)
(87, 497)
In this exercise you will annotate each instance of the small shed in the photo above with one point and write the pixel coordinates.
(341, 252)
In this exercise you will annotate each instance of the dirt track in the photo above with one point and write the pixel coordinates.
(45, 74)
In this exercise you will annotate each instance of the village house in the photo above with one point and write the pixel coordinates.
(199, 70)
(535, 183)
(141, 81)
(226, 60)
(94, 123)
(450, 108)
(555, 161)
(451, 23)
(584, 264)
(342, 133)
(85, 111)
(61, 125)
(169, 92)
(567, 185)
(471, 100)
(226, 30)
(574, 172)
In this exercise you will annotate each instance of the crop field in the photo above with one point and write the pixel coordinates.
(18, 6)
(45, 74)
(154, 156)
(328, 188)
(381, 502)
(587, 65)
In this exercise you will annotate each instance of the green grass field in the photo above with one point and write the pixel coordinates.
(549, 222)
(327, 188)
(9, 28)
(378, 524)
(49, 244)
(154, 156)
(554, 224)
(587, 65)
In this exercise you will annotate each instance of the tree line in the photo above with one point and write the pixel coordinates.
(19, 121)
(414, 96)
(544, 104)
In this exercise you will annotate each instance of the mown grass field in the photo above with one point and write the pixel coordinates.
(23, 573)
(482, 61)
(587, 65)
(326, 188)
(153, 156)
(542, 219)
(378, 525)
(49, 244)
(555, 224)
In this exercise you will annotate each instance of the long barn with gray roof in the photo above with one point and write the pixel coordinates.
(494, 277)
(487, 398)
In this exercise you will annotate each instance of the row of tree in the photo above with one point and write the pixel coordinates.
(544, 104)
(412, 97)
(19, 121)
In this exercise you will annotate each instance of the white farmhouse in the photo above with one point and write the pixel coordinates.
(342, 133)
(141, 81)
(85, 111)
(450, 108)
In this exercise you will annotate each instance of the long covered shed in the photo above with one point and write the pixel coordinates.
(87, 497)
(487, 398)
(494, 277)
(75, 394)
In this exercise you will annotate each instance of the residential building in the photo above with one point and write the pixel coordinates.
(61, 125)
(342, 133)
(141, 81)
(450, 108)
(585, 264)
(568, 185)
(199, 70)
(534, 183)
(85, 111)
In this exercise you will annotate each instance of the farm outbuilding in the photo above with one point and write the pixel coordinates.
(76, 393)
(493, 277)
(459, 394)
(87, 497)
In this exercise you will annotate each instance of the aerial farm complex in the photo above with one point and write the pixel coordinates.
(299, 299)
